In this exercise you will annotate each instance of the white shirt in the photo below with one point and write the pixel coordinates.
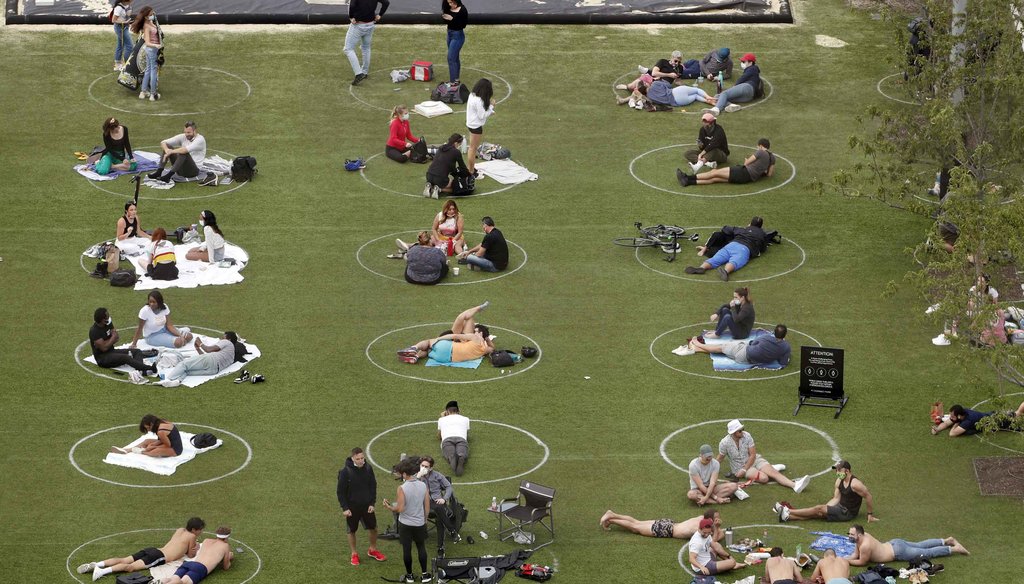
(476, 114)
(196, 148)
(226, 355)
(453, 426)
(213, 241)
(153, 322)
(701, 546)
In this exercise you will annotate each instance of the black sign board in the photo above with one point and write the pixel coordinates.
(821, 372)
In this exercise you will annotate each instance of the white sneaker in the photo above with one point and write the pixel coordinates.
(784, 514)
(631, 102)
(96, 574)
(143, 95)
(86, 568)
(435, 192)
(643, 70)
(426, 190)
(402, 245)
(684, 351)
(777, 508)
(170, 382)
(932, 309)
(941, 341)
(154, 96)
(640, 105)
(622, 87)
(733, 107)
(801, 484)
(779, 467)
(696, 166)
(712, 164)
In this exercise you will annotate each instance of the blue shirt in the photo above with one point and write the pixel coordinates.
(767, 349)
(971, 418)
(751, 75)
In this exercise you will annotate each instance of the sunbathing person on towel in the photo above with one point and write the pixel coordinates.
(103, 337)
(759, 351)
(182, 543)
(467, 341)
(211, 360)
(167, 441)
(213, 553)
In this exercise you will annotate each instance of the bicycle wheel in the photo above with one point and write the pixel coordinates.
(635, 242)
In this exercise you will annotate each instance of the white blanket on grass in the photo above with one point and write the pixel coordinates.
(432, 109)
(505, 171)
(165, 571)
(215, 164)
(191, 274)
(87, 171)
(186, 352)
(161, 466)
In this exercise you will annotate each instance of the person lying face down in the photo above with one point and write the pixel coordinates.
(747, 242)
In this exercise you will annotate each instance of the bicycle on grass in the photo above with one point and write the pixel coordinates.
(664, 236)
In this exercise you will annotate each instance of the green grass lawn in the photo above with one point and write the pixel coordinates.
(327, 309)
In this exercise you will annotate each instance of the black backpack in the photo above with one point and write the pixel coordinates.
(204, 440)
(123, 279)
(463, 185)
(418, 152)
(243, 168)
(134, 579)
(759, 89)
(450, 94)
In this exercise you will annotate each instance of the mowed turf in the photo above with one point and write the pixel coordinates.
(597, 400)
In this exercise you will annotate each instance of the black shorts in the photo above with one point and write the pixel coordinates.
(738, 175)
(840, 513)
(478, 131)
(150, 557)
(361, 514)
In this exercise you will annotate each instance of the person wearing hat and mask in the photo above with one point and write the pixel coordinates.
(746, 463)
(704, 485)
(715, 62)
(844, 504)
(708, 557)
(712, 145)
(744, 89)
(453, 432)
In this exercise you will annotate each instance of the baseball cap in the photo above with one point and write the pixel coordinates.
(841, 464)
(723, 53)
(705, 450)
(749, 57)
(706, 523)
(677, 54)
(708, 117)
(734, 426)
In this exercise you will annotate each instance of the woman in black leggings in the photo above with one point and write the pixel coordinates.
(412, 505)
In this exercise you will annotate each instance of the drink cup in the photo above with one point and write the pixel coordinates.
(455, 271)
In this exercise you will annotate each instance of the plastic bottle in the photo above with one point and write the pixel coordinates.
(765, 541)
(483, 534)
(728, 536)
(494, 503)
(719, 82)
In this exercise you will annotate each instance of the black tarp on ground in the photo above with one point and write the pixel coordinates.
(414, 11)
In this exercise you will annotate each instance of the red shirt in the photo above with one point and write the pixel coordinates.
(400, 134)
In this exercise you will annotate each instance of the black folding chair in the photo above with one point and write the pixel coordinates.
(531, 507)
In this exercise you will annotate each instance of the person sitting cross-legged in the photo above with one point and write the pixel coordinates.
(712, 145)
(704, 485)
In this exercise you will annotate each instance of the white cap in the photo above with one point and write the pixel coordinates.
(735, 426)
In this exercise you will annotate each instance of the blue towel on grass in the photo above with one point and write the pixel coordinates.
(472, 364)
(831, 541)
(723, 363)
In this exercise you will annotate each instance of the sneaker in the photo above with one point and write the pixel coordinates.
(801, 484)
(154, 96)
(358, 79)
(355, 559)
(696, 166)
(408, 351)
(622, 87)
(637, 104)
(426, 190)
(426, 577)
(377, 555)
(694, 270)
(694, 236)
(396, 256)
(258, 378)
(435, 191)
(402, 245)
(243, 376)
(643, 70)
(669, 248)
(777, 507)
(941, 341)
(166, 178)
(733, 107)
(724, 275)
(86, 568)
(682, 177)
(97, 573)
(712, 165)
(683, 351)
(155, 174)
(408, 579)
(779, 467)
(631, 102)
(784, 514)
(410, 359)
(143, 95)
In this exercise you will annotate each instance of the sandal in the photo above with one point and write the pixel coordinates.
(396, 256)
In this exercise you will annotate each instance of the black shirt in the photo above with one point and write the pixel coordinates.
(123, 145)
(363, 10)
(459, 19)
(711, 138)
(448, 160)
(96, 333)
(666, 66)
(496, 249)
(752, 237)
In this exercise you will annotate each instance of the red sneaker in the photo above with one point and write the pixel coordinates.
(377, 555)
(355, 559)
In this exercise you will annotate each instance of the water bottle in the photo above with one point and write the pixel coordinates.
(483, 534)
(719, 82)
(494, 503)
(728, 537)
(764, 539)
(402, 457)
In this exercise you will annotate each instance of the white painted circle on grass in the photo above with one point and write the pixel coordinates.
(81, 257)
(547, 451)
(96, 370)
(532, 362)
(833, 445)
(248, 92)
(768, 85)
(714, 277)
(878, 86)
(449, 282)
(74, 576)
(683, 555)
(351, 88)
(723, 377)
(248, 458)
(96, 184)
(362, 173)
(690, 191)
(981, 436)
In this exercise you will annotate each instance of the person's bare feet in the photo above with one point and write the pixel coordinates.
(604, 519)
(957, 548)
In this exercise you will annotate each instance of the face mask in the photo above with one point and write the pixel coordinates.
(405, 117)
(110, 321)
(152, 18)
(852, 539)
(744, 65)
(202, 223)
(840, 475)
(423, 472)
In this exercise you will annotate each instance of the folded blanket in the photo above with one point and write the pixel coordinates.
(723, 363)
(186, 352)
(432, 109)
(505, 171)
(160, 466)
(192, 274)
(831, 541)
(145, 162)
(471, 364)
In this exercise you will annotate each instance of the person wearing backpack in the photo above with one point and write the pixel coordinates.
(746, 89)
(121, 16)
(456, 15)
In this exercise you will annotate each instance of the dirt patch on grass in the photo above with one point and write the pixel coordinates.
(1000, 475)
